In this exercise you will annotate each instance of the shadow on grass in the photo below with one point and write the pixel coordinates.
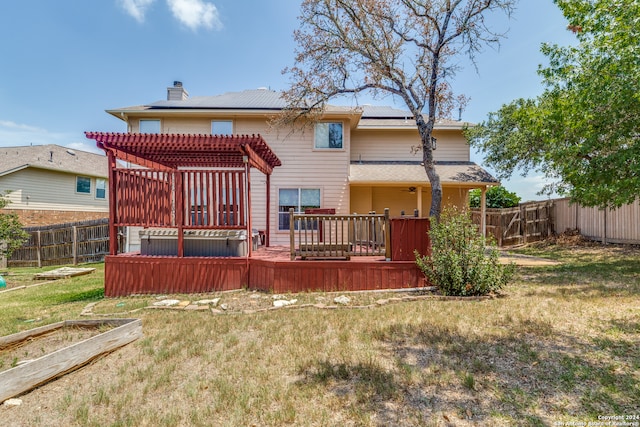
(530, 374)
(89, 295)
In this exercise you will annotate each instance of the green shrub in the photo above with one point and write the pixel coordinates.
(460, 262)
(497, 198)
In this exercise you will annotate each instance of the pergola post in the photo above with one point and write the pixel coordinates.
(247, 211)
(179, 197)
(113, 229)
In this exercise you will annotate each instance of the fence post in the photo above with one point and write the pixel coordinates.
(75, 245)
(38, 249)
(523, 219)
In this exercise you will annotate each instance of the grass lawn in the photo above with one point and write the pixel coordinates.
(560, 344)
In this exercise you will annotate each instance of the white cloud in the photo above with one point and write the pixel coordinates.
(18, 127)
(196, 13)
(14, 134)
(136, 8)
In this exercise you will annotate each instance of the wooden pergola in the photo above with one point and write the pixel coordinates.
(183, 181)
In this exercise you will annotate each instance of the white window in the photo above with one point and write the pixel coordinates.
(221, 127)
(83, 185)
(297, 198)
(328, 135)
(149, 126)
(101, 188)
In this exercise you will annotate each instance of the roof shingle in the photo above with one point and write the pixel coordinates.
(52, 157)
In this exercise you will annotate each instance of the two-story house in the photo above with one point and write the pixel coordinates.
(51, 184)
(352, 160)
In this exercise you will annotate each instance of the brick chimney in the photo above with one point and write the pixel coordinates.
(177, 92)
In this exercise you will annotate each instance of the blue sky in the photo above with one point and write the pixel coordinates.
(63, 62)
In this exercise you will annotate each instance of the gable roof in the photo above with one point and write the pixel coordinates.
(52, 157)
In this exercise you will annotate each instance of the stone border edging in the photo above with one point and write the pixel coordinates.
(88, 310)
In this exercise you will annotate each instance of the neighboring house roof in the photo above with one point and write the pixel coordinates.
(372, 116)
(413, 172)
(52, 157)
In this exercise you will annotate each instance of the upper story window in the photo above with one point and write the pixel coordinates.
(101, 188)
(149, 126)
(328, 135)
(83, 184)
(222, 127)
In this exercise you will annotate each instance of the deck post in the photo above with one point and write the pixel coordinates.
(292, 236)
(387, 235)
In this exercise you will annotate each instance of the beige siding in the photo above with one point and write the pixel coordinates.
(302, 167)
(40, 189)
(388, 145)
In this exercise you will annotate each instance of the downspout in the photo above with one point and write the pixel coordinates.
(267, 231)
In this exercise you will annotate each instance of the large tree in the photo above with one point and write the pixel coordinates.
(583, 131)
(409, 49)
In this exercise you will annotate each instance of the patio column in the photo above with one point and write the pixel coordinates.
(483, 211)
(419, 200)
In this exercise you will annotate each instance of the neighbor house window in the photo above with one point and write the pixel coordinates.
(328, 135)
(297, 198)
(149, 126)
(221, 127)
(83, 185)
(101, 188)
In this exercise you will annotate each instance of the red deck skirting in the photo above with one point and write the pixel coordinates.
(135, 274)
(329, 276)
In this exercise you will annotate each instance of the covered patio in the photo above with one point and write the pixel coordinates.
(191, 195)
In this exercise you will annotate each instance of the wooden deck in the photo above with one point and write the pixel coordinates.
(269, 269)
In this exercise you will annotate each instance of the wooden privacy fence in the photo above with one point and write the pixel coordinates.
(525, 223)
(537, 220)
(339, 236)
(71, 243)
(620, 225)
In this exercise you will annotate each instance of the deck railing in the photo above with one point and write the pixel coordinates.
(339, 236)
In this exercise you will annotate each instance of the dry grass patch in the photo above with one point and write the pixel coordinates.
(561, 344)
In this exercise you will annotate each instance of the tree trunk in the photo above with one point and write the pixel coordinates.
(426, 129)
